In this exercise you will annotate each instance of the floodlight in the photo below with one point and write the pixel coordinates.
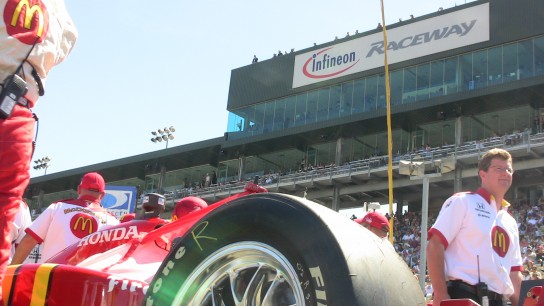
(163, 134)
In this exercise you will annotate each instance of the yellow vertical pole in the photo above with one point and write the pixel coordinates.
(389, 133)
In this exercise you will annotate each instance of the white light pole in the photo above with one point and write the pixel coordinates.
(416, 170)
(42, 163)
(165, 134)
(424, 221)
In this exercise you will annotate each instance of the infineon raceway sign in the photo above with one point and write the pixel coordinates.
(437, 34)
(120, 200)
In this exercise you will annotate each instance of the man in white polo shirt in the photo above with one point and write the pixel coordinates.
(66, 222)
(474, 242)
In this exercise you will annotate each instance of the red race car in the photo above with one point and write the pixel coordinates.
(253, 248)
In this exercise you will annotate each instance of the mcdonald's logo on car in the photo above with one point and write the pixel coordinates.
(82, 225)
(28, 19)
(501, 241)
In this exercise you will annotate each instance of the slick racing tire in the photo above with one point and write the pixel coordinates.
(273, 249)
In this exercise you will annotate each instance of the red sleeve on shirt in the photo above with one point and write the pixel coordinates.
(34, 235)
(516, 268)
(434, 231)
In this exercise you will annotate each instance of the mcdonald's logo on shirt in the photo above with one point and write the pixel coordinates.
(82, 225)
(26, 20)
(500, 241)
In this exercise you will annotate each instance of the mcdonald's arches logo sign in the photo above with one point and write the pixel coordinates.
(82, 225)
(500, 241)
(26, 20)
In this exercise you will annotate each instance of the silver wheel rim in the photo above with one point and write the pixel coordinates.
(245, 273)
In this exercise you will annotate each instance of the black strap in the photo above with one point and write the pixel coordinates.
(35, 135)
(41, 89)
(35, 76)
(27, 55)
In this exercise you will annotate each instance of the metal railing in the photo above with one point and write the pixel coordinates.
(515, 141)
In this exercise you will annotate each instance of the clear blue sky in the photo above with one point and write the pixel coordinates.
(143, 65)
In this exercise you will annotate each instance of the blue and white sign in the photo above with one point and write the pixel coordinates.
(120, 200)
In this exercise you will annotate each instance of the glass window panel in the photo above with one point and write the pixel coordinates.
(300, 110)
(371, 92)
(347, 99)
(409, 94)
(495, 66)
(290, 103)
(269, 117)
(256, 126)
(539, 55)
(510, 62)
(396, 87)
(451, 79)
(525, 59)
(234, 121)
(480, 69)
(465, 65)
(279, 115)
(245, 126)
(437, 79)
(323, 104)
(311, 109)
(423, 76)
(358, 96)
(334, 101)
(381, 103)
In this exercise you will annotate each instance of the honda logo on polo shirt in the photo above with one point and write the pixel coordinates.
(480, 205)
(82, 225)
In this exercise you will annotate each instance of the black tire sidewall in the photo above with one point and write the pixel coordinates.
(275, 220)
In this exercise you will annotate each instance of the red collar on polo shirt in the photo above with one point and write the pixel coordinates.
(489, 197)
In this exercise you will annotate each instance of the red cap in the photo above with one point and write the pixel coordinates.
(186, 206)
(93, 181)
(376, 220)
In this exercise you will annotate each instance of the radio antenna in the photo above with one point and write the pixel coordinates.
(478, 263)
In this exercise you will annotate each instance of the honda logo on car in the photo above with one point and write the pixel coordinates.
(120, 233)
(437, 34)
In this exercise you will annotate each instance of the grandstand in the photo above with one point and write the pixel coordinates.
(313, 122)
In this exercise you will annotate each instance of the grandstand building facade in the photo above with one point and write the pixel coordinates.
(313, 122)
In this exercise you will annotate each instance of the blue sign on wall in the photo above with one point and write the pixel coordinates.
(120, 200)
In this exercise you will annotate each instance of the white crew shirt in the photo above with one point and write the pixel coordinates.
(478, 237)
(66, 222)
